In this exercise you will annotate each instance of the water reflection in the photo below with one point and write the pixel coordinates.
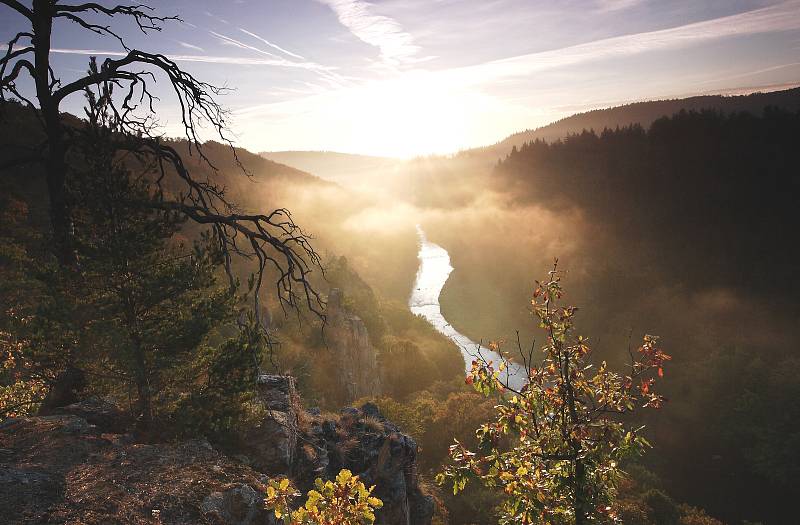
(434, 270)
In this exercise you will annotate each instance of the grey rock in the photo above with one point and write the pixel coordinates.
(23, 476)
(371, 410)
(239, 505)
(384, 457)
(271, 445)
(277, 392)
(98, 412)
(356, 358)
(70, 424)
(351, 412)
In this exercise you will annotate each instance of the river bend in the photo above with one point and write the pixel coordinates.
(434, 270)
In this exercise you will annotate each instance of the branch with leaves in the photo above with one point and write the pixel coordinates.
(556, 447)
(343, 501)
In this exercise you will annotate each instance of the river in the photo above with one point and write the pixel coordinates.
(434, 270)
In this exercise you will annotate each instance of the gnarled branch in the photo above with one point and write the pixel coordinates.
(19, 8)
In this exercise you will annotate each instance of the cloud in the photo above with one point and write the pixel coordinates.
(241, 45)
(274, 46)
(751, 73)
(781, 17)
(210, 59)
(326, 73)
(191, 46)
(396, 46)
(616, 5)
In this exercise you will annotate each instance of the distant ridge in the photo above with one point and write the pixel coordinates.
(645, 113)
(355, 170)
(343, 168)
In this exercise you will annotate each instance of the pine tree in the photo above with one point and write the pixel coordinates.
(156, 300)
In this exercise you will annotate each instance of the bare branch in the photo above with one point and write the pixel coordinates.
(195, 98)
(141, 13)
(19, 8)
(7, 83)
(12, 53)
(272, 240)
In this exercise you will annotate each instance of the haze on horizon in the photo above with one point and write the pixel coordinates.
(414, 77)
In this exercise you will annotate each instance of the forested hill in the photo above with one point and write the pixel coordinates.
(19, 129)
(256, 165)
(698, 186)
(645, 113)
(345, 168)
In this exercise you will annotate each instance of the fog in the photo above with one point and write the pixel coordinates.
(633, 265)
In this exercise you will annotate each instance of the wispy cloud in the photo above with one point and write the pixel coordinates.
(271, 44)
(210, 59)
(327, 73)
(191, 46)
(780, 17)
(616, 5)
(751, 73)
(215, 17)
(395, 44)
(228, 41)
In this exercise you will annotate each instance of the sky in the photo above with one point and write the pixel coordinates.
(414, 77)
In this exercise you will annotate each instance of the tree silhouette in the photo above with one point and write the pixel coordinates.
(273, 240)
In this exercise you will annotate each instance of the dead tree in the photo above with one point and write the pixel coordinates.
(272, 240)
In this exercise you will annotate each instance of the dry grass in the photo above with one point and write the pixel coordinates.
(373, 424)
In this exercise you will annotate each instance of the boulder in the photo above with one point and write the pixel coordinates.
(271, 445)
(238, 505)
(66, 390)
(95, 411)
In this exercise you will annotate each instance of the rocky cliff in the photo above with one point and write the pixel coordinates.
(81, 465)
(357, 359)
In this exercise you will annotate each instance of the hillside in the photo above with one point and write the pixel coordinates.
(262, 169)
(679, 229)
(645, 113)
(18, 128)
(343, 168)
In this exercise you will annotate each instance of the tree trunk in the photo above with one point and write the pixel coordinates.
(142, 378)
(55, 166)
(67, 389)
(580, 497)
(579, 475)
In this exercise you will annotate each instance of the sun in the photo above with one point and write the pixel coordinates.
(407, 115)
(410, 116)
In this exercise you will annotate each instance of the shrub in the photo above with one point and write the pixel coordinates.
(343, 501)
(555, 447)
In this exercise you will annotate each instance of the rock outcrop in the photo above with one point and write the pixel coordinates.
(356, 358)
(364, 442)
(238, 504)
(271, 445)
(360, 440)
(80, 466)
(62, 469)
